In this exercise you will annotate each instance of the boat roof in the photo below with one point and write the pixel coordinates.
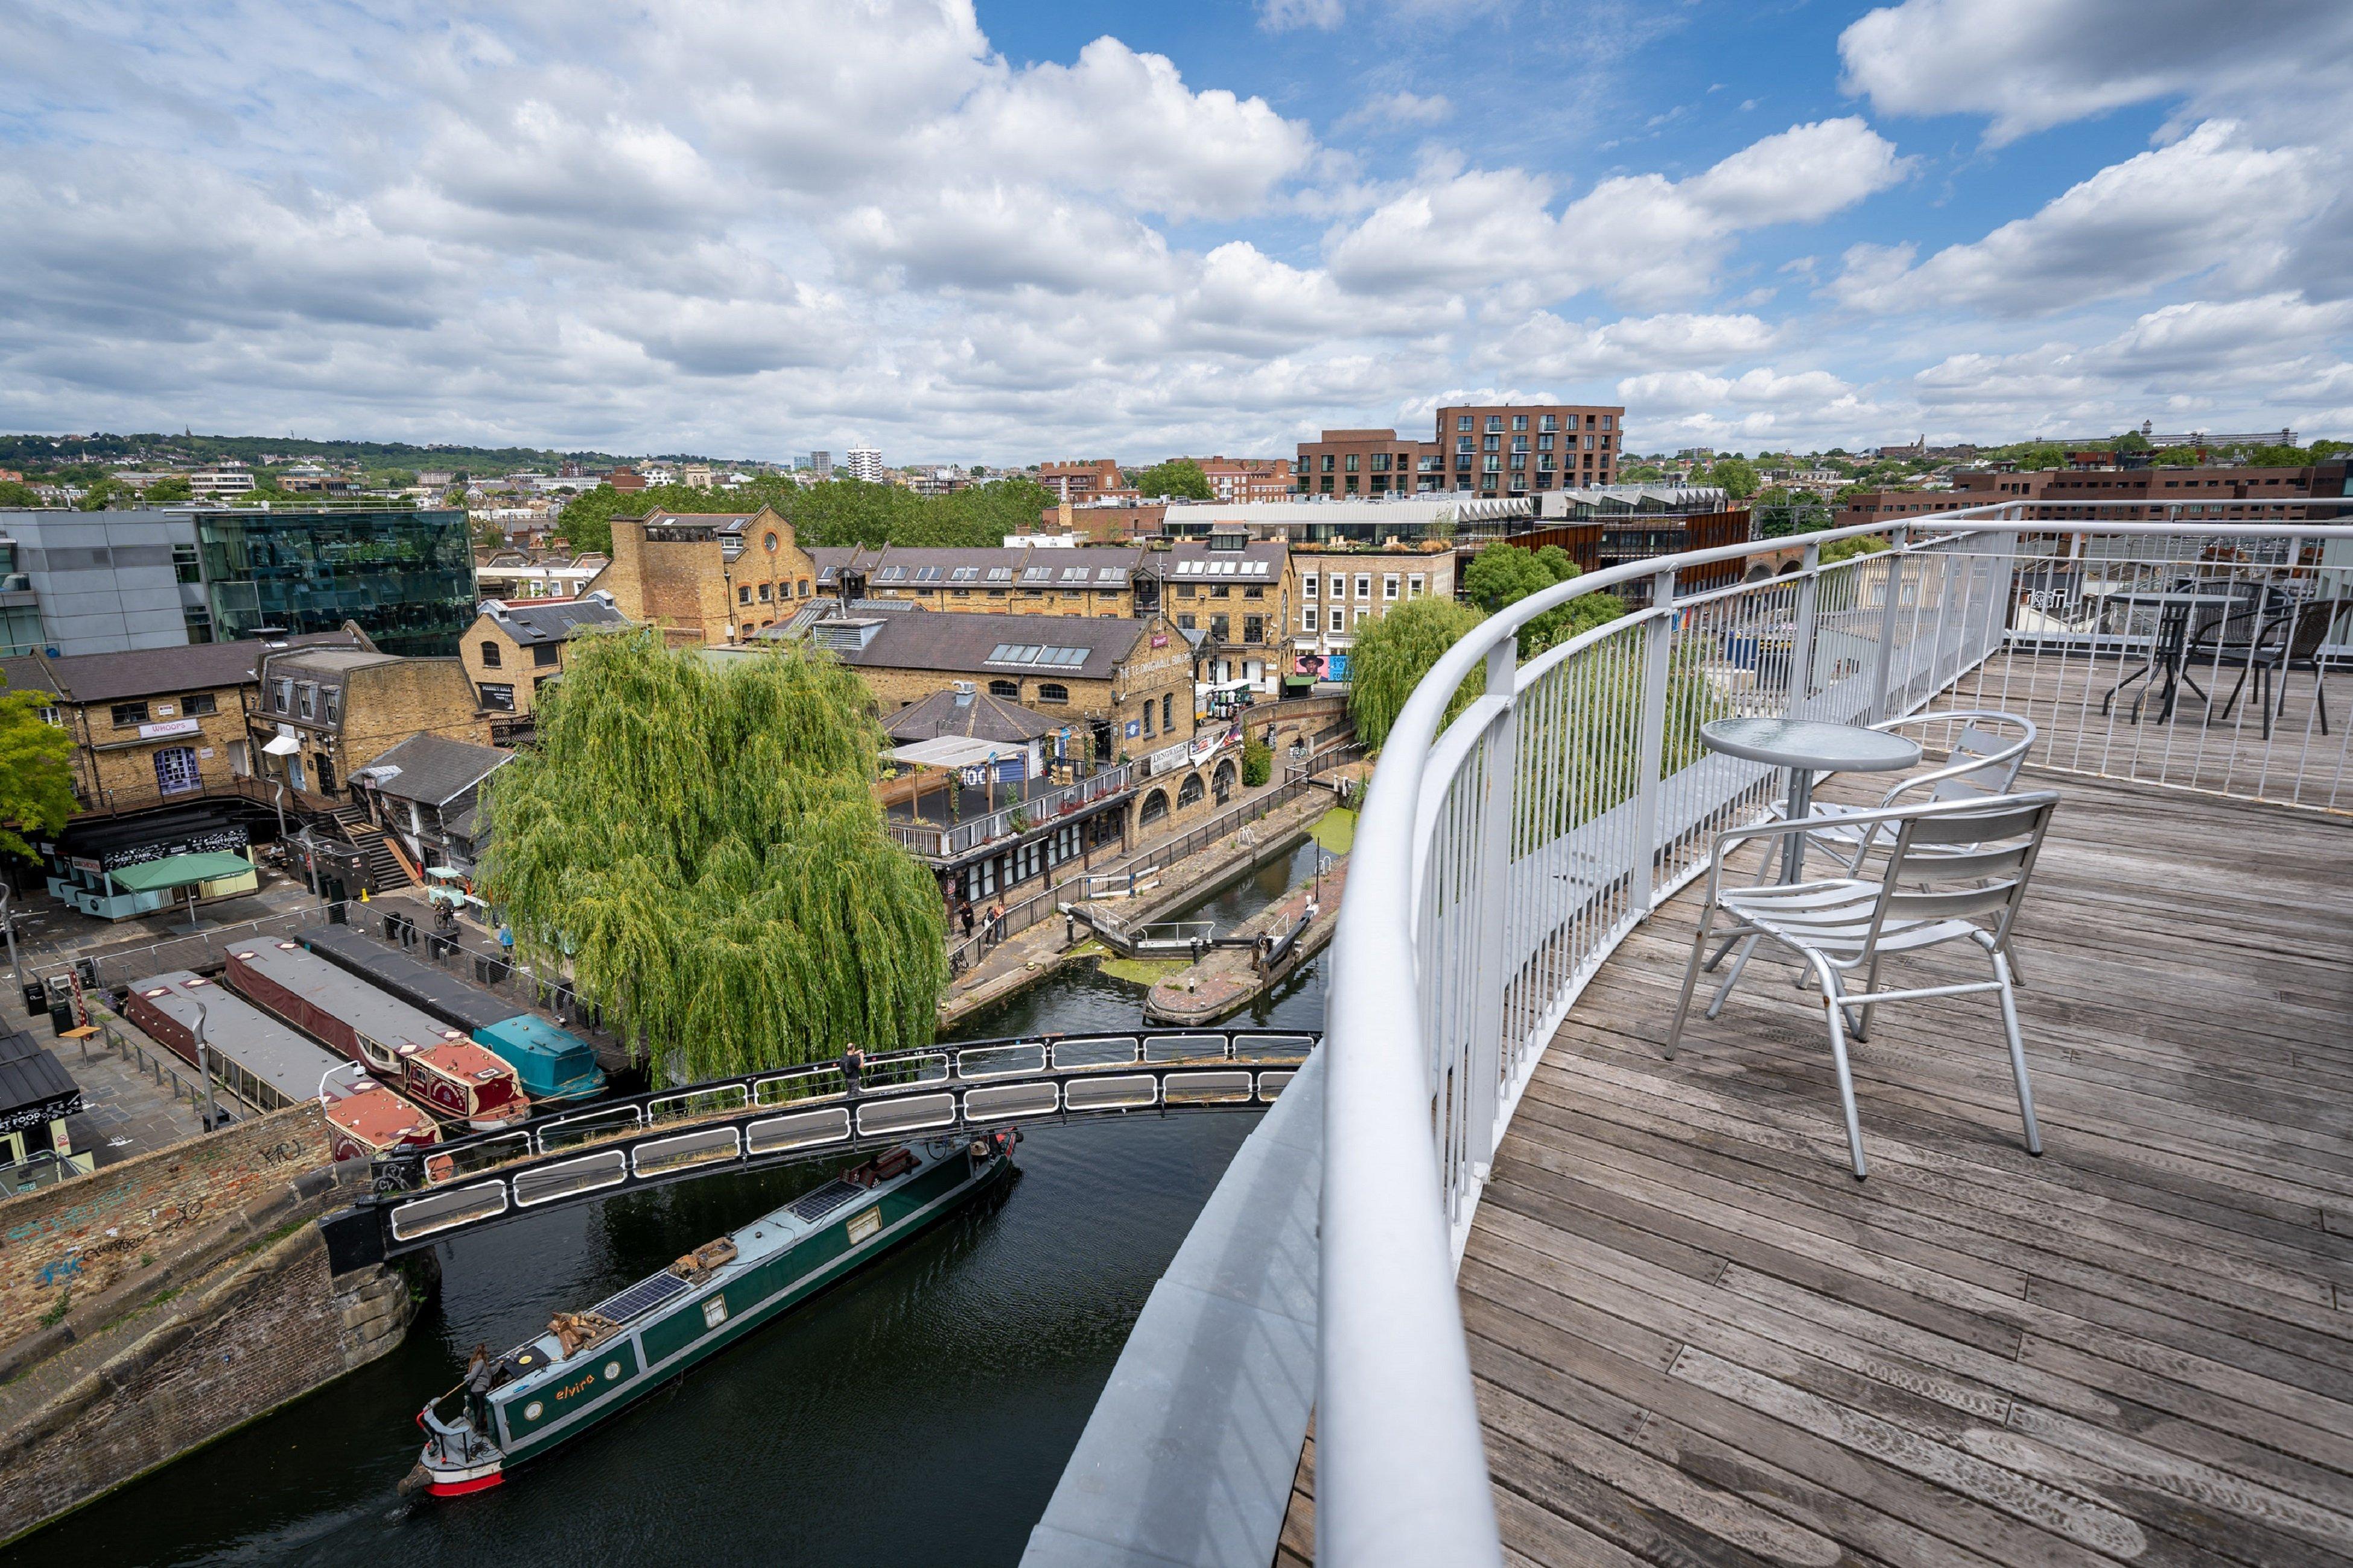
(434, 991)
(238, 1030)
(379, 1117)
(382, 1017)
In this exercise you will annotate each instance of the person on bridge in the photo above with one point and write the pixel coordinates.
(964, 913)
(853, 1066)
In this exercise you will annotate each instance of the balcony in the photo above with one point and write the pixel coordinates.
(930, 828)
(1581, 1303)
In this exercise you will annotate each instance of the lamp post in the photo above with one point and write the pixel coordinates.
(205, 1071)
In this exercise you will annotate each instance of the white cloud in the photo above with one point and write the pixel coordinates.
(2211, 200)
(1547, 346)
(1641, 237)
(1402, 108)
(2029, 65)
(1283, 15)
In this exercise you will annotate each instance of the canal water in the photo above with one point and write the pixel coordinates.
(919, 1413)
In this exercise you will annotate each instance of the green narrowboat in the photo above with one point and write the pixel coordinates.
(590, 1366)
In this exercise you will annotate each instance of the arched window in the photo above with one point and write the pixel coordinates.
(1190, 790)
(1054, 691)
(1006, 688)
(1223, 783)
(1155, 807)
(489, 654)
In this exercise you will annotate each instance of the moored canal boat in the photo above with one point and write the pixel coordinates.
(590, 1366)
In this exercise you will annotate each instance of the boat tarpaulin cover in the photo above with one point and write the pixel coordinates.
(179, 870)
(414, 981)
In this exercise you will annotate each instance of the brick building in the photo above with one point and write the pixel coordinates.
(1236, 593)
(1082, 480)
(1246, 478)
(1020, 580)
(513, 649)
(1361, 463)
(2136, 494)
(1338, 589)
(344, 707)
(707, 578)
(159, 726)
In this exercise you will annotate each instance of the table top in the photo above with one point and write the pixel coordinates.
(1811, 743)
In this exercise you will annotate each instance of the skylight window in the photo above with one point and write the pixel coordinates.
(1000, 573)
(1037, 574)
(1074, 574)
(890, 575)
(964, 574)
(927, 574)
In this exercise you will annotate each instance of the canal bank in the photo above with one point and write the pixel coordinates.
(921, 1412)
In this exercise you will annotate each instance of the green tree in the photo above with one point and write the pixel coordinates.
(36, 773)
(15, 494)
(1394, 653)
(1736, 475)
(167, 491)
(1848, 549)
(2130, 441)
(1258, 762)
(1502, 574)
(2322, 450)
(1179, 479)
(700, 844)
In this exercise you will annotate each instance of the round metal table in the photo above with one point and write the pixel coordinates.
(1807, 747)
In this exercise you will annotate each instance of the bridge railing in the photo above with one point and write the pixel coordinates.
(1525, 816)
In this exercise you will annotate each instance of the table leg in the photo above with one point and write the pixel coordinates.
(1801, 804)
(2172, 636)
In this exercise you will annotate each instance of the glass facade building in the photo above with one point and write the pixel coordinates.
(405, 577)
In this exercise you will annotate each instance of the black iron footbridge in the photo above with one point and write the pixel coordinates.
(426, 1194)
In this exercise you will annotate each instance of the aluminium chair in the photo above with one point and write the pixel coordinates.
(1955, 871)
(1983, 760)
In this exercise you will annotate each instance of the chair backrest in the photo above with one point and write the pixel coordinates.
(1965, 865)
(1982, 760)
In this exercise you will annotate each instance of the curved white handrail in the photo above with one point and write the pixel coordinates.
(1401, 1478)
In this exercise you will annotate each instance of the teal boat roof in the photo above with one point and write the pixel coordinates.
(529, 1032)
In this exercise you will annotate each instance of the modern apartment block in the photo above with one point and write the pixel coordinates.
(111, 582)
(2129, 494)
(1357, 464)
(864, 463)
(1501, 450)
(821, 464)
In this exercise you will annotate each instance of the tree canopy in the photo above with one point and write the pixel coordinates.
(700, 844)
(1179, 479)
(1392, 655)
(36, 773)
(1735, 474)
(13, 493)
(840, 512)
(1502, 574)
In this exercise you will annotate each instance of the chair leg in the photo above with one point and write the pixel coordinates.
(1833, 1010)
(2017, 970)
(1691, 980)
(2016, 1052)
(1715, 1002)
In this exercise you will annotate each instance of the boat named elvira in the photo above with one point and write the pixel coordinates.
(590, 1366)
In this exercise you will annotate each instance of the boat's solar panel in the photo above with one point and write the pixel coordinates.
(642, 1297)
(816, 1205)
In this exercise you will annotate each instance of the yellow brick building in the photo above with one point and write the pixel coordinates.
(707, 578)
(515, 647)
(345, 706)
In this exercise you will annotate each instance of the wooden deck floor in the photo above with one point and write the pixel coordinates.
(1699, 1340)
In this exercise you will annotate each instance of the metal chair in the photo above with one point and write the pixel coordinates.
(2283, 639)
(1956, 870)
(1982, 760)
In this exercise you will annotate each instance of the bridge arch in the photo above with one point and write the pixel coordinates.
(1759, 573)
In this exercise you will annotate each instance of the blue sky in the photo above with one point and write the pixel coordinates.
(758, 227)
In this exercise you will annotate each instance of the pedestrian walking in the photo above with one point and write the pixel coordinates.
(853, 1066)
(996, 922)
(506, 942)
(964, 910)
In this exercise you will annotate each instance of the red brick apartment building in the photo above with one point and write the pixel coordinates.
(2132, 494)
(1499, 449)
(1085, 479)
(1235, 479)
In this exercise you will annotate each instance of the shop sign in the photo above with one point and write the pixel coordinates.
(156, 731)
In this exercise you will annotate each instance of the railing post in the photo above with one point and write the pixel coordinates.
(1487, 1052)
(1801, 634)
(1887, 623)
(1652, 739)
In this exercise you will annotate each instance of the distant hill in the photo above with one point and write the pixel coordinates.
(54, 451)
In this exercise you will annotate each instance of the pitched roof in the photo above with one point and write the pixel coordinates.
(1193, 561)
(1080, 648)
(432, 770)
(534, 621)
(151, 672)
(975, 715)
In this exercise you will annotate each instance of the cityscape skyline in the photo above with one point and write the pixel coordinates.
(998, 236)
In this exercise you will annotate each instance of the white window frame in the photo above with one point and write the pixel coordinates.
(1389, 585)
(1415, 586)
(1363, 587)
(1307, 619)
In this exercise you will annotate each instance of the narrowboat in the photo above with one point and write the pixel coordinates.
(552, 1063)
(588, 1366)
(433, 1065)
(268, 1065)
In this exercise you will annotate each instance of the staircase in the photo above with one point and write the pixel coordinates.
(388, 870)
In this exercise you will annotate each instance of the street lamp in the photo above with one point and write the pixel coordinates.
(205, 1071)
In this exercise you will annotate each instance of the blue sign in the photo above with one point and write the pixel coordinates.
(1135, 728)
(1336, 669)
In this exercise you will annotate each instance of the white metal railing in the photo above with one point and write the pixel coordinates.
(1503, 854)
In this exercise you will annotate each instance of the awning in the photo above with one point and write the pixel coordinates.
(954, 751)
(179, 871)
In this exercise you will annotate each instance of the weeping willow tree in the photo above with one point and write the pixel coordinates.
(699, 846)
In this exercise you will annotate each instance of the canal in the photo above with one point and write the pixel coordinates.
(919, 1413)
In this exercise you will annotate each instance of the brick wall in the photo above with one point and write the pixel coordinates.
(115, 770)
(696, 594)
(260, 1331)
(90, 1234)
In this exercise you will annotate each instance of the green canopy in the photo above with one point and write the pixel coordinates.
(178, 871)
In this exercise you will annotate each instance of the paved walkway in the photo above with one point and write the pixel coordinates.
(126, 1111)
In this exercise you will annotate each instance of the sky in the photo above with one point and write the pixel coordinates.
(1007, 231)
